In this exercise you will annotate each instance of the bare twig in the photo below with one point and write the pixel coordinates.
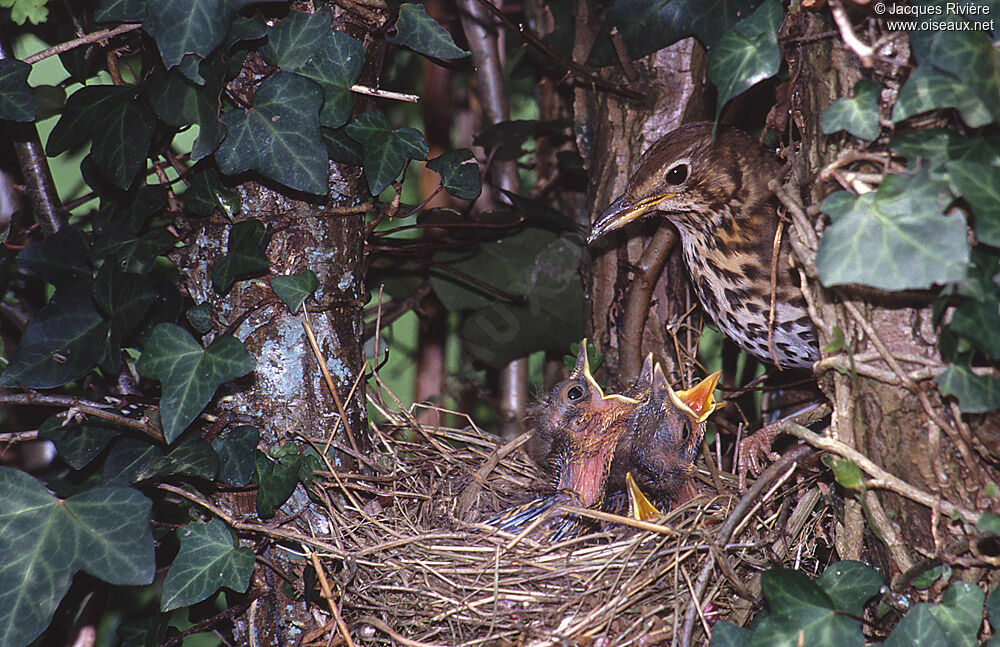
(385, 94)
(88, 407)
(864, 52)
(328, 594)
(329, 381)
(92, 37)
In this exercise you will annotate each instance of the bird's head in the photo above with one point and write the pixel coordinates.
(691, 177)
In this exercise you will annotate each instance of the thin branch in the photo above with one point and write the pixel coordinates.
(864, 52)
(648, 270)
(385, 94)
(88, 407)
(882, 479)
(329, 381)
(328, 594)
(579, 71)
(86, 39)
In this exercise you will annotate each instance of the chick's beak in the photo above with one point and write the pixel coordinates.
(698, 401)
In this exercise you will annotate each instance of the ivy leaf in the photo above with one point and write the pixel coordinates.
(650, 25)
(45, 541)
(746, 54)
(978, 321)
(237, 454)
(385, 151)
(122, 297)
(725, 634)
(335, 67)
(61, 343)
(421, 33)
(799, 605)
(975, 393)
(246, 257)
(208, 560)
(279, 137)
(61, 259)
(988, 523)
(929, 89)
(993, 606)
(847, 473)
(126, 130)
(857, 115)
(182, 27)
(459, 173)
(342, 148)
(276, 480)
(893, 238)
(179, 101)
(979, 184)
(200, 317)
(918, 628)
(190, 375)
(17, 101)
(970, 56)
(126, 458)
(78, 443)
(207, 194)
(120, 11)
(294, 289)
(850, 585)
(960, 614)
(191, 457)
(295, 39)
(134, 253)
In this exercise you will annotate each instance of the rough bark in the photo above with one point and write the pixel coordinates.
(903, 425)
(612, 134)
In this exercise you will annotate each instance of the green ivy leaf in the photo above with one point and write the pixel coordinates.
(237, 454)
(993, 604)
(975, 393)
(246, 256)
(295, 39)
(929, 89)
(276, 480)
(918, 628)
(893, 238)
(190, 375)
(128, 211)
(17, 101)
(650, 25)
(134, 253)
(78, 443)
(385, 151)
(725, 634)
(125, 127)
(799, 605)
(200, 317)
(988, 523)
(126, 458)
(191, 457)
(208, 560)
(857, 115)
(979, 184)
(45, 541)
(122, 297)
(182, 27)
(421, 33)
(978, 321)
(23, 10)
(179, 101)
(207, 193)
(747, 53)
(294, 289)
(342, 148)
(120, 11)
(60, 259)
(61, 343)
(960, 614)
(279, 137)
(970, 56)
(335, 67)
(850, 585)
(846, 472)
(459, 173)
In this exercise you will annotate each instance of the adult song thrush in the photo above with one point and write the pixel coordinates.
(716, 194)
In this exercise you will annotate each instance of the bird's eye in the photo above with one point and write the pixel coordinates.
(677, 175)
(574, 394)
(686, 433)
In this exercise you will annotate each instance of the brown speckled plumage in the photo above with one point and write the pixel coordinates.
(716, 195)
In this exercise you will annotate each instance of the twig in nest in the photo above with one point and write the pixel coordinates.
(780, 470)
(328, 594)
(471, 491)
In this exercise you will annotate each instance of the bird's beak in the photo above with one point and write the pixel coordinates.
(598, 400)
(639, 506)
(621, 212)
(698, 402)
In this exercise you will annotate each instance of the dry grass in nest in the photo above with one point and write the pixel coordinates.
(425, 571)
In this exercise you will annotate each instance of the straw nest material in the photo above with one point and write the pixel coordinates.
(425, 570)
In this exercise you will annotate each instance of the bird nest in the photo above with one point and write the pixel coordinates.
(425, 570)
